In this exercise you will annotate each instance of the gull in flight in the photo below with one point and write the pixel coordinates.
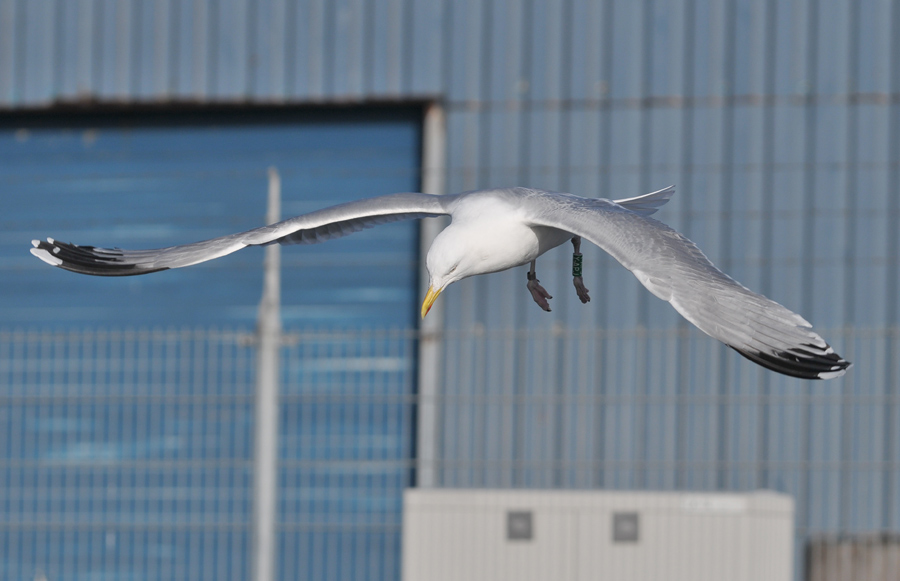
(493, 230)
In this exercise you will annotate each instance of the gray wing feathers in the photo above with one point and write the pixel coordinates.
(345, 228)
(312, 228)
(345, 219)
(675, 270)
(648, 204)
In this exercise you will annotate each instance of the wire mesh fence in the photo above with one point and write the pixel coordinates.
(128, 454)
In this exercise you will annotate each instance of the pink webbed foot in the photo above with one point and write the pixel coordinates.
(539, 294)
(581, 289)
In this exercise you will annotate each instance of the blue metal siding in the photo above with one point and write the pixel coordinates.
(229, 50)
(156, 183)
(128, 454)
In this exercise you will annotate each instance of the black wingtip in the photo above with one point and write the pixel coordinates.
(799, 362)
(87, 259)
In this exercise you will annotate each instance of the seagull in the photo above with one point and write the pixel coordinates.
(498, 229)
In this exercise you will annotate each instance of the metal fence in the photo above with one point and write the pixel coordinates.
(128, 454)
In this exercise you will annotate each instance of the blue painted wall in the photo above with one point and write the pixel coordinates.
(150, 182)
(150, 432)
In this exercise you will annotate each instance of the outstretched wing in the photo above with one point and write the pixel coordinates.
(675, 270)
(312, 228)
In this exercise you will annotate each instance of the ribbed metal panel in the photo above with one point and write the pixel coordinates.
(774, 122)
(218, 50)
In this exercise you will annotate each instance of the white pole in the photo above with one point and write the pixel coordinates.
(432, 326)
(265, 467)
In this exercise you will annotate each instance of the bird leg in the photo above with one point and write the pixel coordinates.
(576, 271)
(538, 293)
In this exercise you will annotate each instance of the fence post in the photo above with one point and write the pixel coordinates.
(265, 457)
(431, 329)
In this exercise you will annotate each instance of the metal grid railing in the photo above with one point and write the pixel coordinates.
(129, 453)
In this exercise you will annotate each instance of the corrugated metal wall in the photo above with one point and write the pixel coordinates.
(219, 50)
(777, 120)
(785, 106)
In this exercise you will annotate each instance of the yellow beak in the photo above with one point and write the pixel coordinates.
(429, 300)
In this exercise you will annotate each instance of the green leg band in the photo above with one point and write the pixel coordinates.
(576, 264)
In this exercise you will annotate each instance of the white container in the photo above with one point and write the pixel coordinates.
(520, 535)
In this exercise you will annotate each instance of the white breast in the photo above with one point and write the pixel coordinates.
(498, 235)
